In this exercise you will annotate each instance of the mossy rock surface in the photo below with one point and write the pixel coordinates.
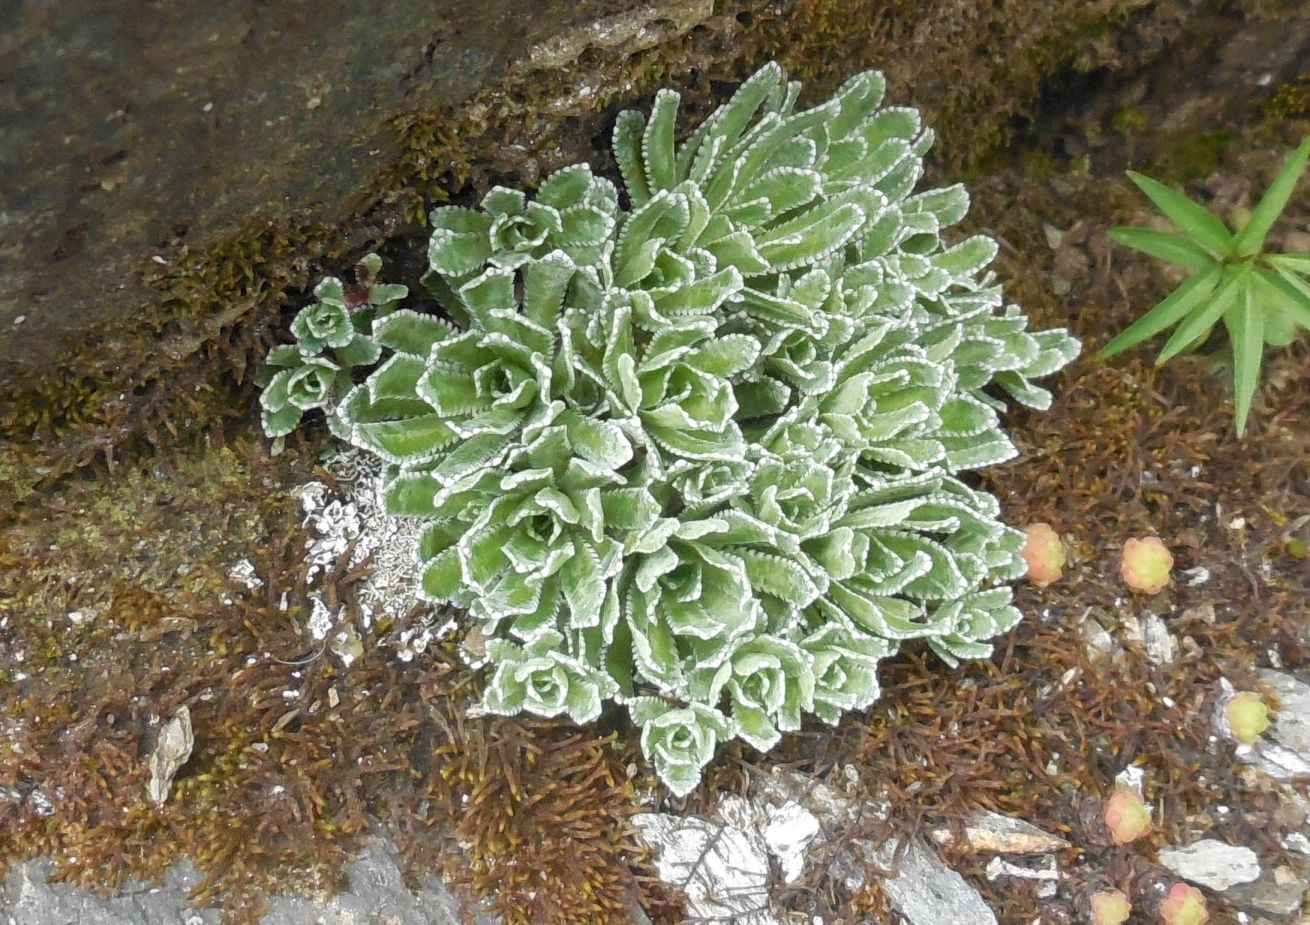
(176, 174)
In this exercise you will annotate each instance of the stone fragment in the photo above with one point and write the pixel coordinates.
(924, 891)
(918, 884)
(171, 751)
(1150, 630)
(992, 833)
(720, 864)
(1048, 874)
(1280, 892)
(789, 832)
(374, 892)
(1213, 864)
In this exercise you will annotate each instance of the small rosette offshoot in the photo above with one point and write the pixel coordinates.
(331, 339)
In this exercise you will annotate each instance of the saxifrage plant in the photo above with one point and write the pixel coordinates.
(1261, 297)
(697, 449)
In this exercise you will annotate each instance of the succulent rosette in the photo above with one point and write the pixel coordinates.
(540, 679)
(679, 741)
(693, 450)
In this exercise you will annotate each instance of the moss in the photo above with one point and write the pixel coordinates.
(1191, 158)
(1290, 101)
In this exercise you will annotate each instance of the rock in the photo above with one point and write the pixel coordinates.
(921, 888)
(1161, 647)
(375, 894)
(1283, 752)
(924, 891)
(992, 833)
(789, 832)
(1131, 777)
(1278, 892)
(1212, 863)
(1048, 873)
(1097, 641)
(721, 864)
(171, 751)
(231, 127)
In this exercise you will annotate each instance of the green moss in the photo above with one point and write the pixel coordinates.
(1129, 120)
(1191, 158)
(1290, 101)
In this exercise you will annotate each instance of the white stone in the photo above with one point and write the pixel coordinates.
(789, 832)
(721, 865)
(1213, 863)
(992, 833)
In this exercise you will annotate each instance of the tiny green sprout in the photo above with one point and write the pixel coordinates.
(1247, 715)
(1261, 298)
(1044, 552)
(1146, 564)
(1126, 816)
(1110, 907)
(1184, 905)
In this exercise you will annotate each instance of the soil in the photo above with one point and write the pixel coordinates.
(117, 607)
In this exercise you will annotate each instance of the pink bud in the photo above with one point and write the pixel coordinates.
(1045, 554)
(1126, 816)
(1110, 907)
(1146, 564)
(1184, 905)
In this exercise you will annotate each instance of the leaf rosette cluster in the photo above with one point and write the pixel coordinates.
(696, 450)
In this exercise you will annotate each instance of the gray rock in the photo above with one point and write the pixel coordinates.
(108, 161)
(992, 833)
(1212, 863)
(1047, 875)
(924, 891)
(1277, 892)
(375, 895)
(1283, 752)
(721, 864)
(920, 887)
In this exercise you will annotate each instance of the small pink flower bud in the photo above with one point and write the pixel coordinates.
(1146, 564)
(1247, 716)
(1045, 554)
(1126, 816)
(1110, 907)
(1184, 905)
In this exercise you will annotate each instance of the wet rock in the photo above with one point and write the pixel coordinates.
(1212, 863)
(992, 833)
